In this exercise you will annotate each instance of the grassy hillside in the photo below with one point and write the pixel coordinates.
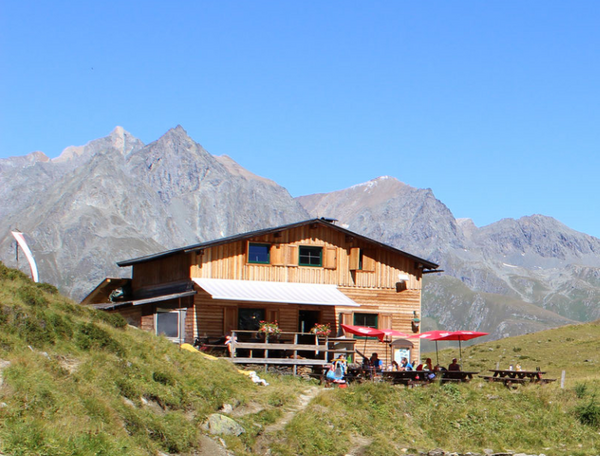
(80, 382)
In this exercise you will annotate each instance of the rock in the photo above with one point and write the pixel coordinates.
(222, 425)
(226, 408)
(436, 452)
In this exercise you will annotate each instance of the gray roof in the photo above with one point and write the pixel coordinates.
(239, 237)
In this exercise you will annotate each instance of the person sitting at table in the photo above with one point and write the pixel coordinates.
(405, 365)
(454, 366)
(376, 363)
(439, 368)
(394, 366)
(366, 364)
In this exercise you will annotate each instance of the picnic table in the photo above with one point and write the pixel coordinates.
(456, 376)
(515, 377)
(414, 377)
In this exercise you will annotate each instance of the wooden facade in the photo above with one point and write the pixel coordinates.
(385, 282)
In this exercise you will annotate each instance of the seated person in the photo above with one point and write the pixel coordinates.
(405, 365)
(366, 364)
(426, 366)
(394, 366)
(376, 363)
(454, 366)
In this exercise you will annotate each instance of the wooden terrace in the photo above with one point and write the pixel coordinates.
(287, 349)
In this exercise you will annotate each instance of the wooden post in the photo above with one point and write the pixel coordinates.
(232, 342)
(562, 380)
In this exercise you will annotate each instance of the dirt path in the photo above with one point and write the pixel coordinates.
(262, 442)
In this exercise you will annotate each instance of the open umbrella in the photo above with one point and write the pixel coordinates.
(431, 335)
(364, 331)
(449, 335)
(460, 336)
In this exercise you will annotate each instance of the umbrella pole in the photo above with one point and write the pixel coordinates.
(437, 357)
(460, 351)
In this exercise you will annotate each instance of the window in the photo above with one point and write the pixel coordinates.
(171, 323)
(368, 320)
(310, 256)
(364, 319)
(258, 253)
(248, 319)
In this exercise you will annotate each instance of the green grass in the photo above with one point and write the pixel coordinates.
(80, 382)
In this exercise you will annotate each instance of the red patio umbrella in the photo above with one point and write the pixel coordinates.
(393, 333)
(449, 335)
(431, 335)
(460, 336)
(364, 331)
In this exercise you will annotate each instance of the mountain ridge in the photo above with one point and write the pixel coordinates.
(116, 197)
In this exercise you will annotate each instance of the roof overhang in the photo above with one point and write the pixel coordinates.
(139, 302)
(275, 292)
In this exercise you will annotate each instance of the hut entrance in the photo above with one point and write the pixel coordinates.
(306, 320)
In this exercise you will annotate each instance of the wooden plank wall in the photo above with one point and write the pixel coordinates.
(162, 271)
(397, 307)
(210, 313)
(229, 261)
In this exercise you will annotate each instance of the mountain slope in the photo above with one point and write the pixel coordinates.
(116, 198)
(532, 264)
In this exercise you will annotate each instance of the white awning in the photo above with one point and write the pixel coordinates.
(281, 292)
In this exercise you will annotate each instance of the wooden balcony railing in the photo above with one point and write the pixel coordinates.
(288, 349)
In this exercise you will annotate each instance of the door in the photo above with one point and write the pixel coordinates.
(307, 319)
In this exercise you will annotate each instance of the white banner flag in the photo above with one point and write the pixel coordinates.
(21, 240)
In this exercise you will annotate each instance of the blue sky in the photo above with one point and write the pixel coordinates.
(493, 105)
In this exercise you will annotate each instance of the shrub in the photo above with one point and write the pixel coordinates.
(162, 378)
(115, 320)
(589, 414)
(35, 329)
(90, 336)
(47, 288)
(32, 296)
(580, 390)
(12, 274)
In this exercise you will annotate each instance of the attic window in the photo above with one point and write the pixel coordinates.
(258, 253)
(310, 256)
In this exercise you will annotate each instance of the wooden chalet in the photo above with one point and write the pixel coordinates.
(297, 275)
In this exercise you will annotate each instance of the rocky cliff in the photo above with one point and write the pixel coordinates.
(116, 198)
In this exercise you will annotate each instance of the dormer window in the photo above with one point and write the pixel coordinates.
(259, 253)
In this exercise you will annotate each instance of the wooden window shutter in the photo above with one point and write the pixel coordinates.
(368, 262)
(385, 321)
(291, 258)
(330, 258)
(277, 254)
(229, 320)
(354, 259)
(346, 318)
(272, 315)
